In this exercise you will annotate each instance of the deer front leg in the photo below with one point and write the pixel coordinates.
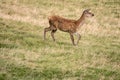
(79, 37)
(72, 38)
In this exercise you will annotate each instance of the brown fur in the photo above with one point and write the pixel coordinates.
(66, 25)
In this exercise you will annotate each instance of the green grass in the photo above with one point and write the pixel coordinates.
(24, 55)
(95, 57)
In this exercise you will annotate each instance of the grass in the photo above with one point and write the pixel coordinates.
(24, 55)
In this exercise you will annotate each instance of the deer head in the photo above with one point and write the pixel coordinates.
(87, 13)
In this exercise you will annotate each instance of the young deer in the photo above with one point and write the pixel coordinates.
(67, 25)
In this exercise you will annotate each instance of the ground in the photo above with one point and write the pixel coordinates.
(24, 55)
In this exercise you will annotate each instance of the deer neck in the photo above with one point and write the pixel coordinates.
(80, 21)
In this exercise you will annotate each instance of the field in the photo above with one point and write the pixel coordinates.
(24, 55)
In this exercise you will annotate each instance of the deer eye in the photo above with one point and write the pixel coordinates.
(86, 12)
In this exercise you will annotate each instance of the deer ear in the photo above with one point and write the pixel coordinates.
(88, 9)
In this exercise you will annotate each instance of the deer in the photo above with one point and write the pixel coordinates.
(67, 25)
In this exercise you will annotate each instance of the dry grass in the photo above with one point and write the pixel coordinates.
(38, 16)
(24, 54)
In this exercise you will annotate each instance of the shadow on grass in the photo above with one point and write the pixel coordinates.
(3, 45)
(24, 73)
(64, 43)
(10, 71)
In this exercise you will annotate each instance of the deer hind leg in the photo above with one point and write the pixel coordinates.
(46, 30)
(52, 34)
(72, 38)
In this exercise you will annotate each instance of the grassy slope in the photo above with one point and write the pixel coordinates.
(24, 55)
